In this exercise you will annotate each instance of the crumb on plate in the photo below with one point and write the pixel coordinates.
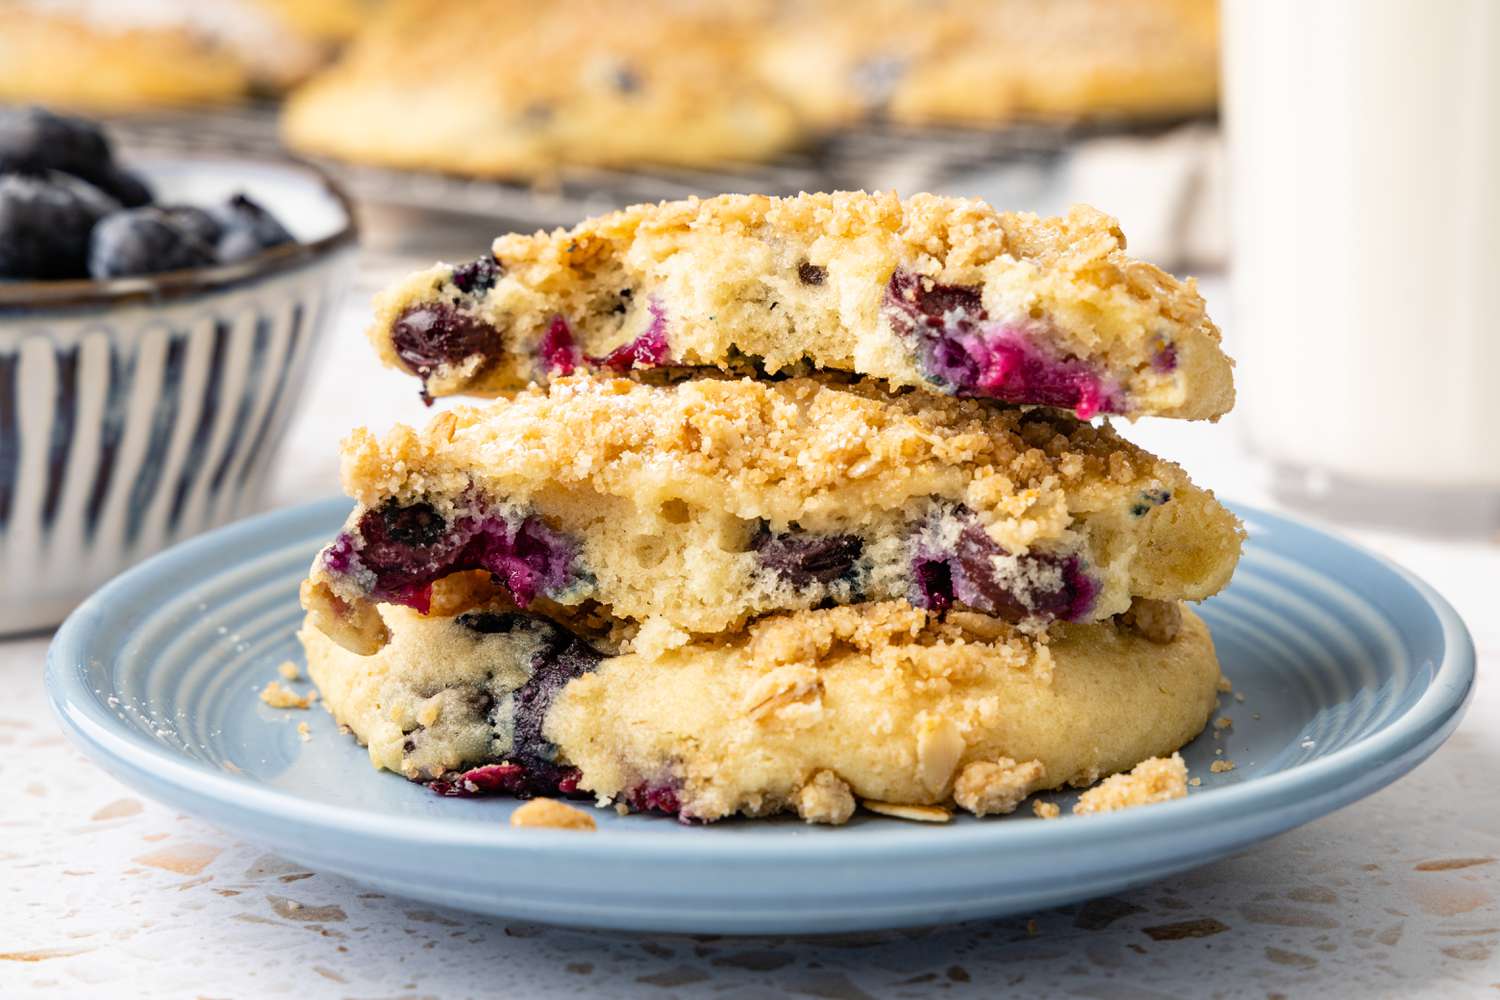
(552, 813)
(1157, 779)
(276, 696)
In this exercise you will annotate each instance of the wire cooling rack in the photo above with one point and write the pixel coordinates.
(427, 215)
(872, 156)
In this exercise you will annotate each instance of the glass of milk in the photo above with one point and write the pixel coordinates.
(1364, 158)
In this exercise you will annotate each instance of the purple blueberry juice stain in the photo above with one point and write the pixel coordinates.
(531, 767)
(1164, 358)
(655, 796)
(406, 549)
(961, 350)
(487, 779)
(558, 352)
(965, 574)
(933, 584)
(648, 350)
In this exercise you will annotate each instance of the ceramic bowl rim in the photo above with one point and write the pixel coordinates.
(154, 288)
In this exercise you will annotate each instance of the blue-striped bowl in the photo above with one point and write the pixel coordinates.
(139, 411)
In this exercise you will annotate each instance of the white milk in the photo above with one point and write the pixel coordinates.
(1364, 158)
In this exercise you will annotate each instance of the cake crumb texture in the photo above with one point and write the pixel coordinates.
(1157, 779)
(276, 696)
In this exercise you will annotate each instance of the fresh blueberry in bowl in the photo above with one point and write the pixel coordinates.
(246, 229)
(46, 222)
(144, 241)
(34, 140)
(69, 209)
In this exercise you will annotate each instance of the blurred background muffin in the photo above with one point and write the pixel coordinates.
(543, 85)
(99, 55)
(994, 62)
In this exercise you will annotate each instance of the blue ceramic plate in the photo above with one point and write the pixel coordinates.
(1352, 670)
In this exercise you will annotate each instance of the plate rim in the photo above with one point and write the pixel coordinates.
(1419, 729)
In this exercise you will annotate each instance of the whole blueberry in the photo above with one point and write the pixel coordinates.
(477, 276)
(197, 222)
(247, 229)
(427, 336)
(45, 222)
(802, 558)
(144, 241)
(33, 140)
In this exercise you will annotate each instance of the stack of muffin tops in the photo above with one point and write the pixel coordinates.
(783, 504)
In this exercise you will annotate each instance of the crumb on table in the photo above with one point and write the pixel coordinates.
(304, 731)
(1223, 722)
(1045, 810)
(552, 813)
(1220, 766)
(276, 696)
(288, 671)
(1158, 779)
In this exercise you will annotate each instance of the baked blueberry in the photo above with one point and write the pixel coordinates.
(963, 352)
(432, 335)
(144, 241)
(45, 224)
(975, 571)
(803, 558)
(404, 548)
(559, 353)
(477, 276)
(648, 350)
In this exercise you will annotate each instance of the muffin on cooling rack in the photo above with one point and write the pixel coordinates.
(992, 62)
(509, 88)
(129, 56)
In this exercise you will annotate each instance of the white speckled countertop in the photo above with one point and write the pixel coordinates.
(104, 893)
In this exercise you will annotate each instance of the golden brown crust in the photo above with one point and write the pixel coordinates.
(723, 277)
